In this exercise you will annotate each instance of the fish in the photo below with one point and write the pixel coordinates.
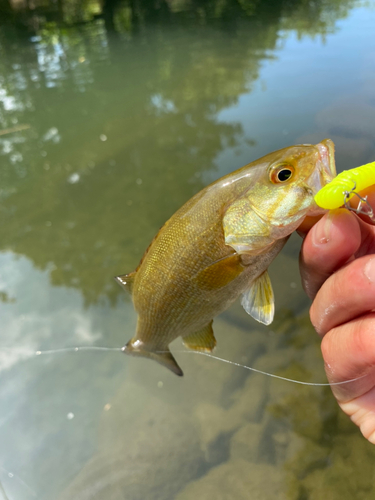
(219, 245)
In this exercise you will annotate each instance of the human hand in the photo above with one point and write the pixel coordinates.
(337, 264)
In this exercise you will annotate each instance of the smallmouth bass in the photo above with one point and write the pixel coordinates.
(218, 246)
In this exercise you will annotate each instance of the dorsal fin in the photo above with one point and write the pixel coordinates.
(126, 281)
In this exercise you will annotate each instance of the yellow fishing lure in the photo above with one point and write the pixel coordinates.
(345, 185)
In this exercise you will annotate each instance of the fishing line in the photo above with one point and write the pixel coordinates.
(11, 475)
(208, 355)
(76, 349)
(31, 352)
(2, 491)
(266, 373)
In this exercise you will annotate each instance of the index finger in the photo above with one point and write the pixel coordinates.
(327, 247)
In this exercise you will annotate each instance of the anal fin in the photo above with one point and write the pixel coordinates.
(203, 340)
(258, 300)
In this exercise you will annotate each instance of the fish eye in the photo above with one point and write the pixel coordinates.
(281, 174)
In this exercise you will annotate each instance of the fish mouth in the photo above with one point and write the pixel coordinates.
(326, 150)
(325, 172)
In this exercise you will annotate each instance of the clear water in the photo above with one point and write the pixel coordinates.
(103, 135)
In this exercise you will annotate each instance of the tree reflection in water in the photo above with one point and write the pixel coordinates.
(122, 118)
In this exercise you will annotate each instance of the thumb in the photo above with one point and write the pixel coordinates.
(332, 241)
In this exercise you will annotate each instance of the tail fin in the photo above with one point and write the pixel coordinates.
(165, 358)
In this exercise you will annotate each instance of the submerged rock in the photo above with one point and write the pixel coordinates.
(148, 448)
(240, 480)
(245, 444)
(348, 474)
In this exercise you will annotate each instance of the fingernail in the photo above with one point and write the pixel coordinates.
(369, 270)
(322, 230)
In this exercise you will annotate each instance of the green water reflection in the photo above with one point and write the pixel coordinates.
(142, 111)
(110, 119)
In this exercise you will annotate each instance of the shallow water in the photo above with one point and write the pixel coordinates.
(104, 135)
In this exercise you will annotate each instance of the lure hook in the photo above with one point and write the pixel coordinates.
(363, 207)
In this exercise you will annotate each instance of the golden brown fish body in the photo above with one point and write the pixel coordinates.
(219, 245)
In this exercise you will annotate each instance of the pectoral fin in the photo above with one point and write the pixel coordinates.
(126, 281)
(220, 273)
(203, 340)
(258, 300)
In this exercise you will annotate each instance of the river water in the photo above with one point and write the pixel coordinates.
(105, 130)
